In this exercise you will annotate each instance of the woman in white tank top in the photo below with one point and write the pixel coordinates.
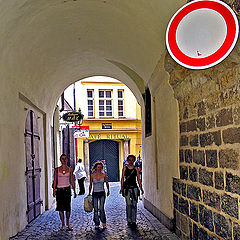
(97, 183)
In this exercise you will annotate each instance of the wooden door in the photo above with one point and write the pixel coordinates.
(33, 169)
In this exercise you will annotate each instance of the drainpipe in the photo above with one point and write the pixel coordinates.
(155, 141)
(74, 98)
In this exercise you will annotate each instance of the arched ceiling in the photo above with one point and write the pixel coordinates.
(48, 44)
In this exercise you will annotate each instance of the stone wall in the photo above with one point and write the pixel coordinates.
(207, 195)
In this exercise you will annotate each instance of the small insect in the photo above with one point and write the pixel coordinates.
(198, 53)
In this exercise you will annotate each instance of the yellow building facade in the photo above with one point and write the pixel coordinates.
(114, 119)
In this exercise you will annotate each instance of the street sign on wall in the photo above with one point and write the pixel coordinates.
(202, 33)
(106, 125)
(82, 132)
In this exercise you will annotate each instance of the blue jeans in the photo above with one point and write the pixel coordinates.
(131, 205)
(98, 205)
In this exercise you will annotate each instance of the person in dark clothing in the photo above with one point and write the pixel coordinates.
(129, 189)
(138, 164)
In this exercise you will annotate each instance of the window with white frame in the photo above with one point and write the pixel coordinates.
(120, 103)
(90, 102)
(105, 103)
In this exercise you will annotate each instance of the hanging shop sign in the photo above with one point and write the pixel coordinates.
(201, 34)
(83, 132)
(72, 116)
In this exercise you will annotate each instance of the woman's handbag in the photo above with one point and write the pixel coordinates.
(88, 206)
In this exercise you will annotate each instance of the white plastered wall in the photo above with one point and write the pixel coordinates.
(161, 149)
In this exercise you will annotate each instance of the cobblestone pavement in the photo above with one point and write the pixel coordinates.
(47, 225)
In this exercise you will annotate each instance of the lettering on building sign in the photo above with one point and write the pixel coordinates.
(106, 125)
(95, 136)
(109, 136)
(116, 136)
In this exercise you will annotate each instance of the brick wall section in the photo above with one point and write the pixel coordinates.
(207, 195)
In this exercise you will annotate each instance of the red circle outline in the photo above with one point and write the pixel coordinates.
(199, 62)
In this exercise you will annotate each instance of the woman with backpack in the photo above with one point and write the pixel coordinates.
(130, 190)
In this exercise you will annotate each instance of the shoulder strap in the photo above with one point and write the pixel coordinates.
(129, 174)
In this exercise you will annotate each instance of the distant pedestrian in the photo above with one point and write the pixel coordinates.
(138, 164)
(81, 175)
(63, 178)
(97, 180)
(130, 190)
(125, 162)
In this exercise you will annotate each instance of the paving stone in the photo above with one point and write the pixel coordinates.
(46, 226)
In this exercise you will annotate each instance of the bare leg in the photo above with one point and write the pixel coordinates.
(61, 215)
(67, 220)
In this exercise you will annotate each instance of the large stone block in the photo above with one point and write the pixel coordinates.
(201, 124)
(193, 140)
(229, 158)
(236, 115)
(188, 156)
(175, 201)
(236, 231)
(199, 157)
(206, 217)
(183, 141)
(219, 180)
(185, 225)
(205, 177)
(230, 205)
(210, 122)
(232, 183)
(194, 192)
(201, 234)
(211, 199)
(223, 226)
(192, 125)
(195, 232)
(194, 211)
(211, 158)
(185, 113)
(184, 172)
(181, 156)
(178, 217)
(224, 117)
(208, 139)
(201, 108)
(231, 135)
(183, 127)
(179, 187)
(183, 206)
(193, 174)
(190, 228)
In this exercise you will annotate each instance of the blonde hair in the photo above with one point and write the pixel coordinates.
(95, 165)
